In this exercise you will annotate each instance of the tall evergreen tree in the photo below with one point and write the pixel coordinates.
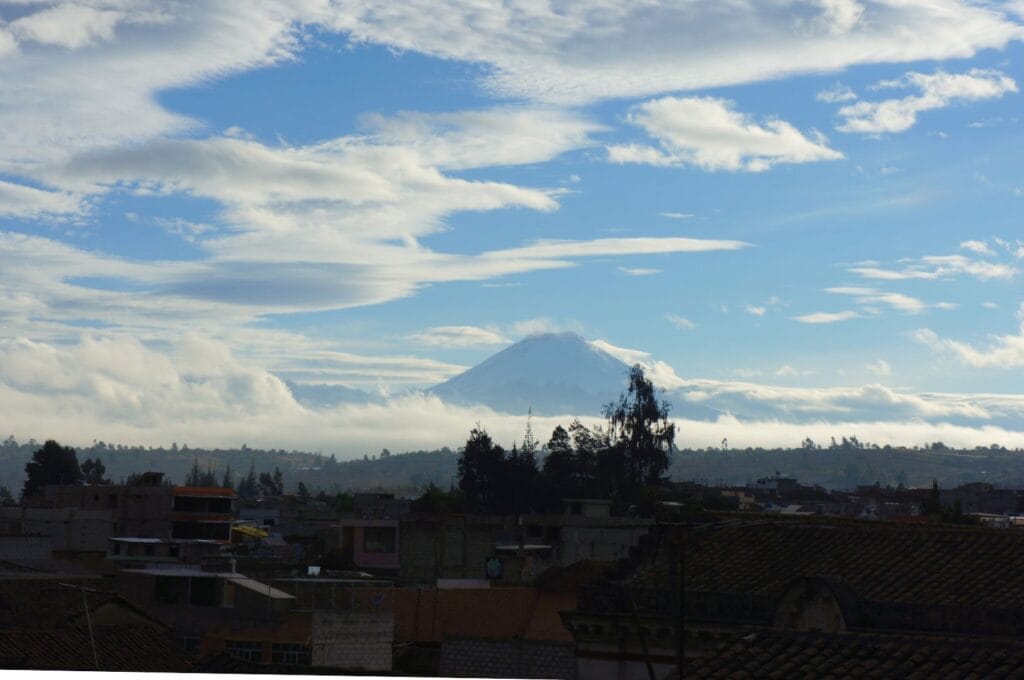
(481, 466)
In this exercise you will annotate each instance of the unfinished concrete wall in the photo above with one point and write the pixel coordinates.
(507, 658)
(352, 640)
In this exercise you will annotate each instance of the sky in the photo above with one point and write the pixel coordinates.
(783, 202)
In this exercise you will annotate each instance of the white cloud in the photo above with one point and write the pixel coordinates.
(639, 271)
(676, 215)
(680, 322)
(979, 247)
(836, 94)
(707, 133)
(86, 75)
(543, 324)
(880, 367)
(937, 90)
(871, 401)
(582, 52)
(787, 371)
(782, 433)
(136, 393)
(934, 267)
(459, 336)
(827, 317)
(871, 296)
(658, 372)
(755, 310)
(489, 137)
(1004, 351)
(19, 200)
(67, 25)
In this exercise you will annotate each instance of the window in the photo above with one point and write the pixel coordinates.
(290, 654)
(247, 650)
(379, 539)
(203, 592)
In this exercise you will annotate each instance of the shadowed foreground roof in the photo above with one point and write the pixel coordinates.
(47, 604)
(118, 648)
(819, 656)
(958, 567)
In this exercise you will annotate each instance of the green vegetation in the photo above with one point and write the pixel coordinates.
(623, 462)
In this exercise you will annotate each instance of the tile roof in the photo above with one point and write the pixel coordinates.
(928, 565)
(39, 604)
(118, 648)
(820, 656)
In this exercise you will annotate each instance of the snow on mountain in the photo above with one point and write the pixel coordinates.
(552, 373)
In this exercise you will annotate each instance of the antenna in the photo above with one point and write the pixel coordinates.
(88, 618)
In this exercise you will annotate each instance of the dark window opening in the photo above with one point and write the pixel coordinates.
(247, 650)
(379, 539)
(204, 592)
(290, 654)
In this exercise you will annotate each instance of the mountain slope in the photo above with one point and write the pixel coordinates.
(553, 373)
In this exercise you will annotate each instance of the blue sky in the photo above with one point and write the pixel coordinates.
(769, 204)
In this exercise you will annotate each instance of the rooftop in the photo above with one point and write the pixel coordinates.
(881, 562)
(780, 654)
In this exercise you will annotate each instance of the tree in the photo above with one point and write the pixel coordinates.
(94, 471)
(194, 474)
(436, 501)
(51, 464)
(208, 479)
(248, 486)
(227, 481)
(278, 481)
(303, 492)
(932, 505)
(639, 426)
(481, 467)
(559, 473)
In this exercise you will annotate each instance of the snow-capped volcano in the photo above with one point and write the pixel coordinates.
(552, 373)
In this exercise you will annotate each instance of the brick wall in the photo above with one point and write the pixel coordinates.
(507, 658)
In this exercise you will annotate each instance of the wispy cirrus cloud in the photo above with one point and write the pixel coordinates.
(459, 336)
(936, 267)
(827, 317)
(872, 296)
(680, 322)
(639, 271)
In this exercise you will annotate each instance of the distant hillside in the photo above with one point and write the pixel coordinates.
(846, 468)
(407, 472)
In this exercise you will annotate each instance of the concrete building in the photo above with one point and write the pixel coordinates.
(217, 612)
(451, 546)
(373, 543)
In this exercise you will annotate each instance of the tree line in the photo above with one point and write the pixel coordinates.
(624, 460)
